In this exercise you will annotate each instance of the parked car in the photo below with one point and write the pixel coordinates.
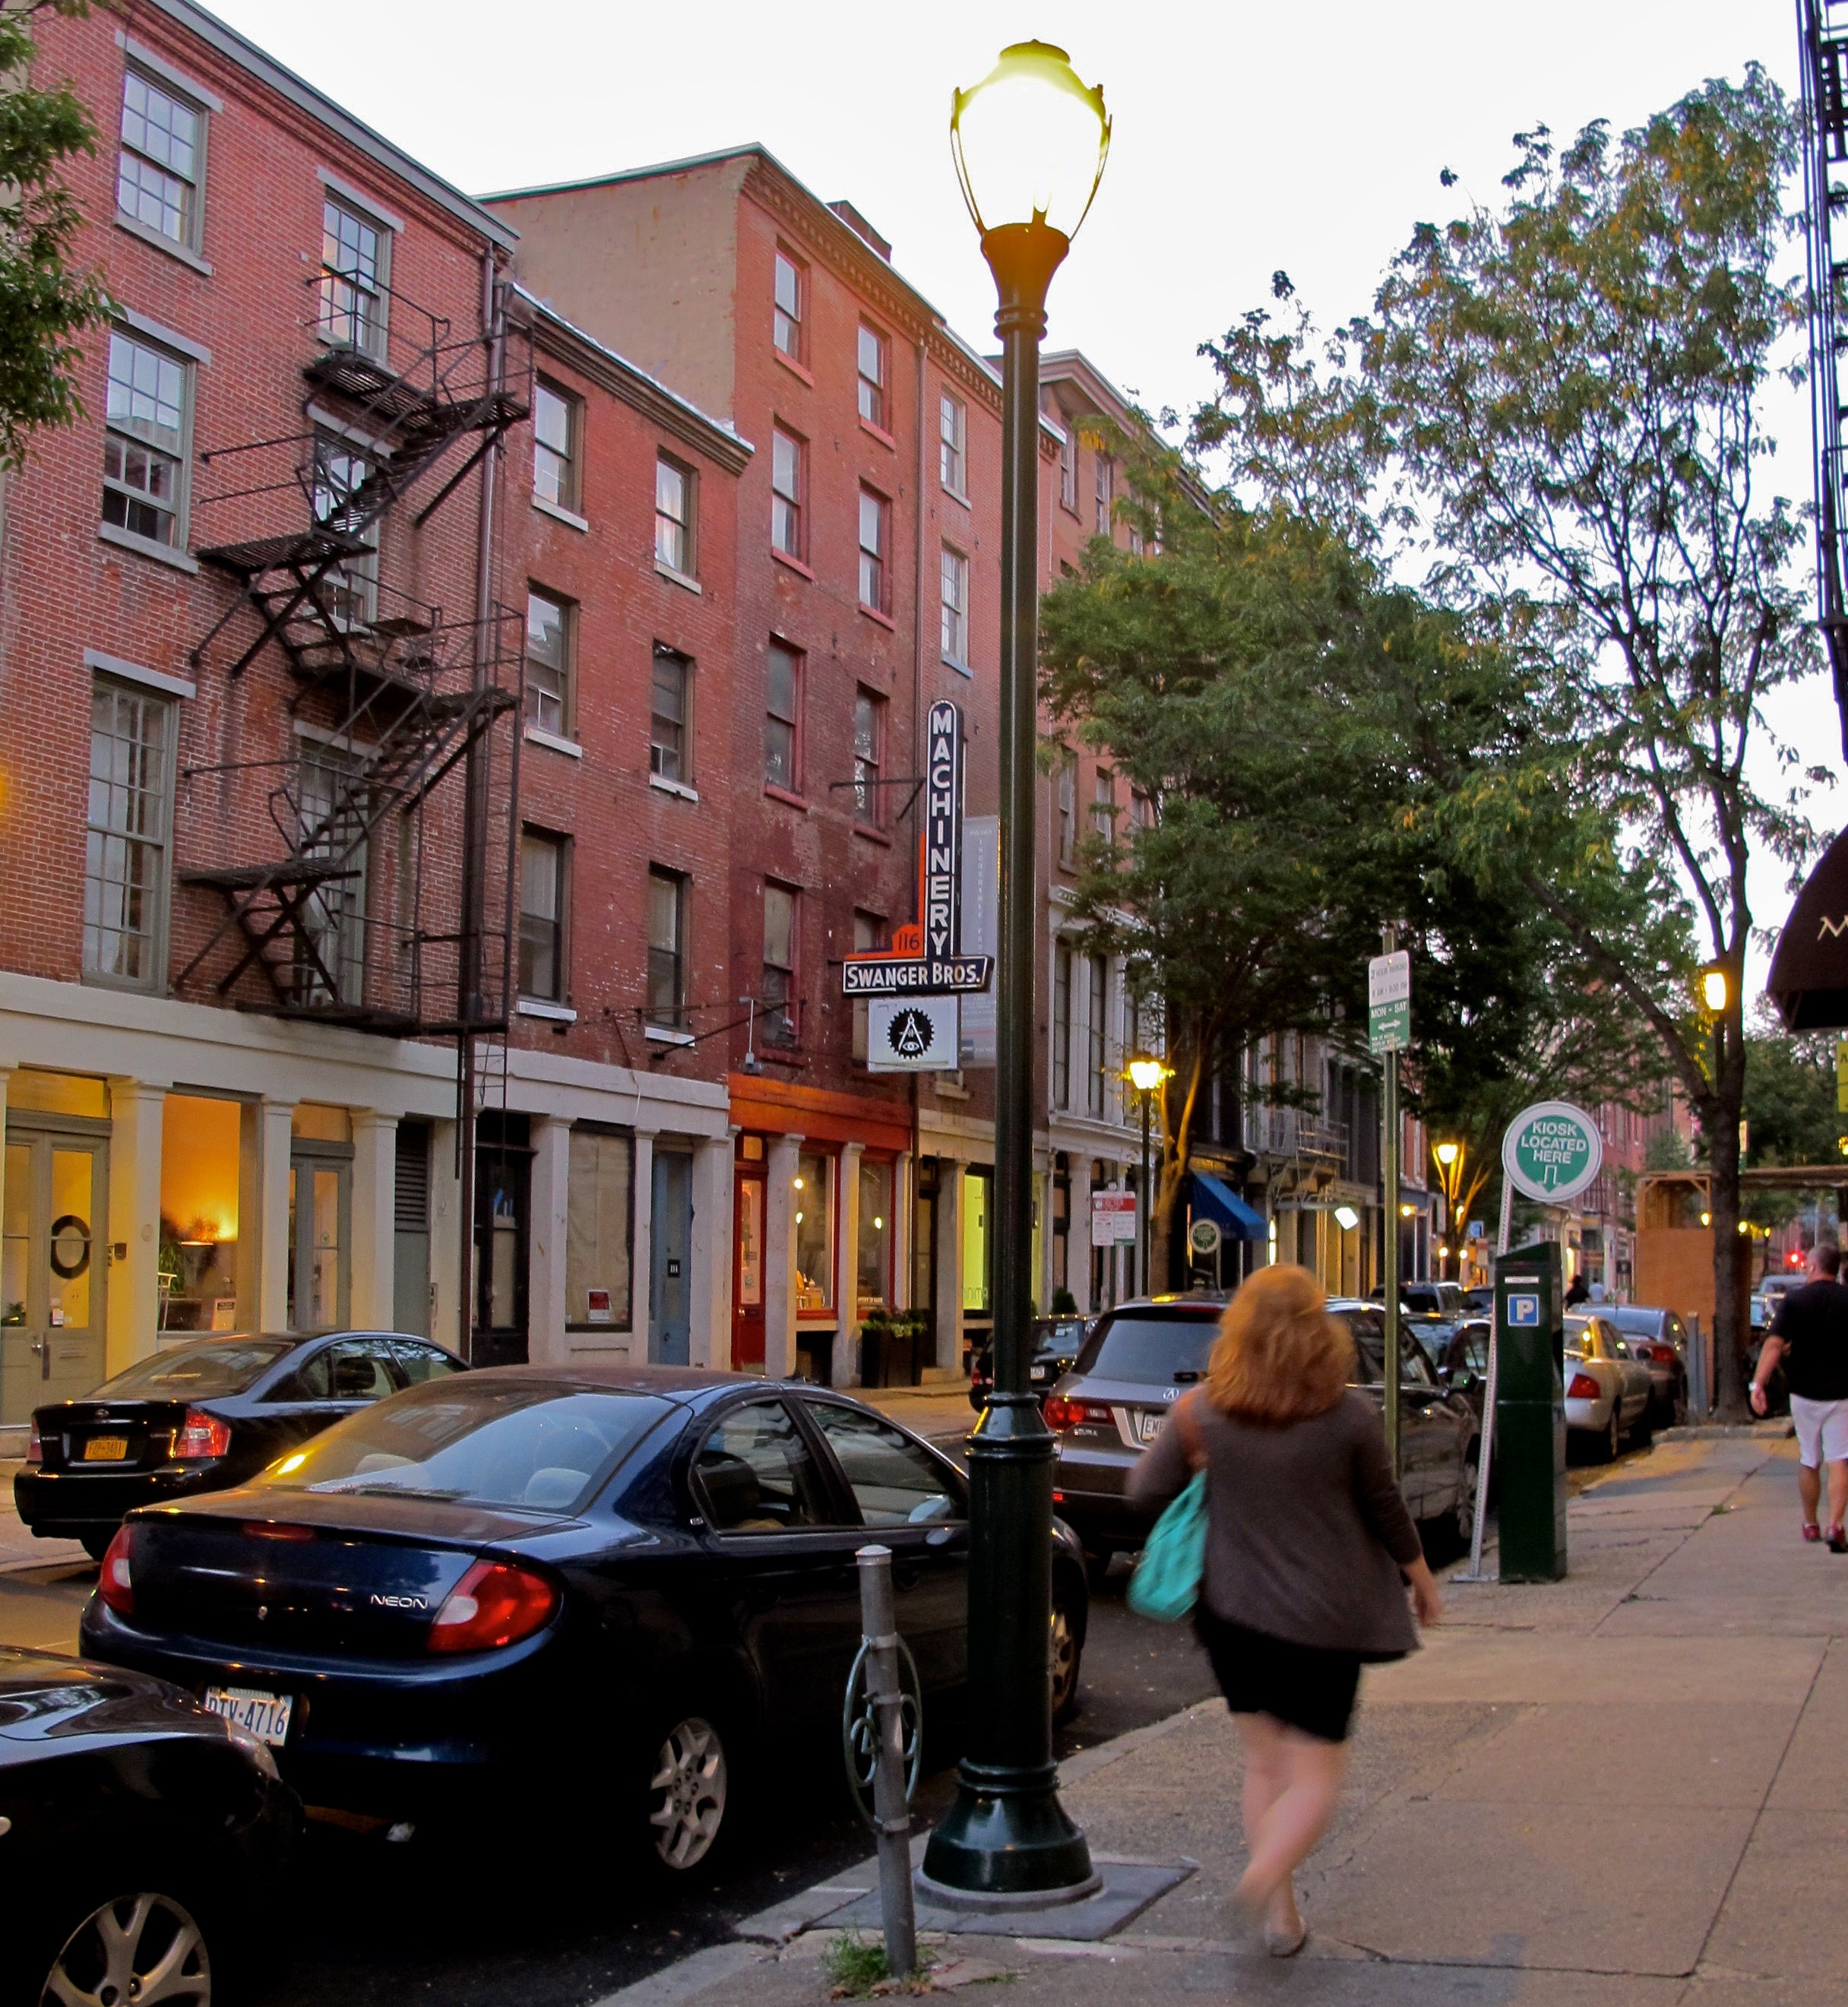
(543, 1587)
(1481, 1300)
(203, 1417)
(1055, 1345)
(145, 1839)
(1140, 1358)
(1428, 1299)
(1463, 1358)
(1657, 1338)
(1608, 1393)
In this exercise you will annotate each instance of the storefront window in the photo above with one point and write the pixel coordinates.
(597, 1239)
(199, 1213)
(814, 1234)
(59, 1093)
(875, 1264)
(977, 1187)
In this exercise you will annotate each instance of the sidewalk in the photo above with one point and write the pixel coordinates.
(1628, 1787)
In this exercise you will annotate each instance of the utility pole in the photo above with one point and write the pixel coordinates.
(1390, 1164)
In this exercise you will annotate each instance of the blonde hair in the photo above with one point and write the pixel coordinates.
(1281, 1357)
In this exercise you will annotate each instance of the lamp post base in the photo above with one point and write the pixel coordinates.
(1006, 1843)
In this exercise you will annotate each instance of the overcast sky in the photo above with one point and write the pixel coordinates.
(1247, 139)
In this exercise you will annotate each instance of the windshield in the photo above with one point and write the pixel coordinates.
(200, 1372)
(526, 1445)
(1156, 1350)
(1636, 1320)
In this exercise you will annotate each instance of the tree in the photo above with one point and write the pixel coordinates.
(1564, 396)
(45, 305)
(1790, 1112)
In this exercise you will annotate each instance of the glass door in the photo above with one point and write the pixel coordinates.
(320, 1216)
(54, 1252)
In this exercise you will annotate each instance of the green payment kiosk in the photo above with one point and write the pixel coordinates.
(1530, 1413)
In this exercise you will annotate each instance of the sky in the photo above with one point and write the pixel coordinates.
(1247, 138)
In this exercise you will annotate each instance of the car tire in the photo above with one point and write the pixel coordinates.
(1644, 1434)
(97, 1545)
(688, 1796)
(1096, 1564)
(1610, 1443)
(85, 1957)
(1465, 1527)
(1066, 1657)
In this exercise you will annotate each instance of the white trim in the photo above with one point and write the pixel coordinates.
(537, 735)
(961, 669)
(146, 546)
(132, 672)
(143, 57)
(323, 420)
(341, 742)
(680, 578)
(182, 344)
(658, 1035)
(679, 788)
(161, 242)
(531, 1007)
(569, 517)
(370, 204)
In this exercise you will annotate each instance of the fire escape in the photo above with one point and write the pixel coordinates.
(383, 898)
(1824, 27)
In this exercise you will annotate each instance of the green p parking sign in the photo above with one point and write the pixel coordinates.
(1552, 1151)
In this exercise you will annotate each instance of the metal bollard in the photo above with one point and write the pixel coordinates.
(892, 1811)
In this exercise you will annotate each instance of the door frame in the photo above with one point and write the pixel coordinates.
(743, 1356)
(32, 1129)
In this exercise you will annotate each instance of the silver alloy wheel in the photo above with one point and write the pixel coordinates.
(132, 1951)
(1473, 1469)
(1613, 1446)
(686, 1793)
(1063, 1660)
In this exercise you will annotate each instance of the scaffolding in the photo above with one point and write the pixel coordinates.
(1823, 27)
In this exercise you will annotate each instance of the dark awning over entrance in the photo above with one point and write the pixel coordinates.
(1809, 972)
(1213, 1200)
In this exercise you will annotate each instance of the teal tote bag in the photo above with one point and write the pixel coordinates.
(1166, 1583)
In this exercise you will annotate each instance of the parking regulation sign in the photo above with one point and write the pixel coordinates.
(1389, 1002)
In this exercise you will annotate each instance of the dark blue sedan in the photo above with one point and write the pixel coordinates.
(623, 1586)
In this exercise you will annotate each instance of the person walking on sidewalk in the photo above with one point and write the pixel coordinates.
(1308, 1547)
(1810, 1335)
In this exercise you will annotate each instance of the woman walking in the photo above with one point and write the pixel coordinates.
(1308, 1548)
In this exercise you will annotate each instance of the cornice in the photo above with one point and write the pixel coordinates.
(837, 244)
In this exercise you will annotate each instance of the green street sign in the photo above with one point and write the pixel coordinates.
(1552, 1151)
(1389, 1002)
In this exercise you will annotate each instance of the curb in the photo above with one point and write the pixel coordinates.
(1778, 1429)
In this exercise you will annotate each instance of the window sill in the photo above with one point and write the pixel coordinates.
(790, 363)
(873, 835)
(569, 517)
(818, 1319)
(795, 564)
(684, 580)
(678, 788)
(659, 1034)
(184, 253)
(948, 1090)
(956, 495)
(146, 546)
(537, 735)
(879, 433)
(961, 669)
(777, 793)
(884, 619)
(556, 1014)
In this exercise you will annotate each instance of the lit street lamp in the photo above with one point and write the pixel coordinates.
(1029, 142)
(1449, 1179)
(1145, 1075)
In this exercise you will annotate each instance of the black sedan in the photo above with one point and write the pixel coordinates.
(621, 1588)
(202, 1417)
(142, 1839)
(1057, 1342)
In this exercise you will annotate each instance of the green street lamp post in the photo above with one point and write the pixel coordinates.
(1029, 142)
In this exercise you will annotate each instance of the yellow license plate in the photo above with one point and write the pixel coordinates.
(105, 1449)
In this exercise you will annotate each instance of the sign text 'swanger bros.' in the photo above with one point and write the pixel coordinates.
(1552, 1151)
(925, 958)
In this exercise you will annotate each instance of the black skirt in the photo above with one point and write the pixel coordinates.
(1305, 1687)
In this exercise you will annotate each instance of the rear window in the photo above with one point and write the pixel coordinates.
(1368, 1327)
(199, 1372)
(539, 1448)
(1154, 1350)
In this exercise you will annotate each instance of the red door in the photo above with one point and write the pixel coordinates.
(747, 1270)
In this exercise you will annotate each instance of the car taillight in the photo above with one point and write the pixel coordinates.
(115, 1581)
(1061, 1413)
(494, 1604)
(35, 1449)
(200, 1435)
(1583, 1387)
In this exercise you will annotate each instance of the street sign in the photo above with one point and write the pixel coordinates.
(1389, 1002)
(1203, 1237)
(1552, 1151)
(912, 1033)
(1113, 1218)
(933, 975)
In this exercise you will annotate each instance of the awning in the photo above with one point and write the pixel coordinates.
(1213, 1200)
(1809, 972)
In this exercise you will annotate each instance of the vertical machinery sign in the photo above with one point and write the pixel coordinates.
(942, 885)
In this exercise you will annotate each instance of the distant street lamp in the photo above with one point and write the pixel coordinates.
(1145, 1075)
(1450, 1157)
(1029, 141)
(1716, 987)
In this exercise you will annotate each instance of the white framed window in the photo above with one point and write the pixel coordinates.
(355, 278)
(1068, 466)
(674, 491)
(1068, 810)
(792, 289)
(350, 589)
(670, 738)
(548, 639)
(782, 719)
(873, 361)
(786, 493)
(1103, 805)
(1097, 1025)
(777, 992)
(667, 949)
(868, 751)
(160, 168)
(558, 424)
(145, 441)
(876, 537)
(1062, 1024)
(542, 879)
(126, 850)
(956, 607)
(953, 444)
(814, 1210)
(1107, 481)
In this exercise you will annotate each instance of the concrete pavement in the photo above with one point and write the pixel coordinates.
(1630, 1787)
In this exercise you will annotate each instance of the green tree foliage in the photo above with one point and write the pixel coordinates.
(45, 305)
(1790, 1112)
(1563, 396)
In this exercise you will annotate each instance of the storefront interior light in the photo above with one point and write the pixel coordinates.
(1406, 1211)
(1345, 1218)
(878, 1224)
(798, 1184)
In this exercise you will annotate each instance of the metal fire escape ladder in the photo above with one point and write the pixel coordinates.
(1823, 25)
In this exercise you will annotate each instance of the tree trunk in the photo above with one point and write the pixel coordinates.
(1729, 1332)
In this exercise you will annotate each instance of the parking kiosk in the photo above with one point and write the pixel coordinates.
(1530, 1413)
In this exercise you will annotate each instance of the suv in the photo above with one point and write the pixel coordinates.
(1430, 1299)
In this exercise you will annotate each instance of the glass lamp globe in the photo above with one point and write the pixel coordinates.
(1146, 1075)
(1030, 141)
(1713, 989)
(1447, 1154)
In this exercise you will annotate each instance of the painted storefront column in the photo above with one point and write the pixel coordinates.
(641, 1258)
(845, 1351)
(1078, 1234)
(949, 1263)
(446, 1238)
(372, 1304)
(276, 1119)
(710, 1299)
(134, 1302)
(548, 1201)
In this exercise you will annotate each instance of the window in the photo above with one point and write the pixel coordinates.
(1135, 541)
(1142, 810)
(1099, 971)
(547, 663)
(786, 493)
(670, 747)
(872, 376)
(597, 1239)
(814, 1197)
(144, 445)
(1106, 477)
(757, 1474)
(157, 171)
(869, 749)
(557, 425)
(953, 424)
(125, 855)
(350, 588)
(1061, 1025)
(956, 607)
(674, 516)
(542, 916)
(667, 950)
(875, 539)
(782, 712)
(893, 1482)
(777, 992)
(791, 288)
(329, 961)
(1068, 466)
(354, 255)
(1068, 809)
(873, 1257)
(1103, 805)
(869, 936)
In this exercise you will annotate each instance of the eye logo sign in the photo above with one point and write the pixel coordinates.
(909, 1034)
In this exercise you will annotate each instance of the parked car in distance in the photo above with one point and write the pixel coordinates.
(201, 1417)
(1658, 1339)
(1056, 1344)
(1608, 1393)
(145, 1840)
(1430, 1299)
(1481, 1300)
(530, 1590)
(1459, 1350)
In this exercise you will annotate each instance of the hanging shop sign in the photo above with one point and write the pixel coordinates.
(912, 1033)
(1203, 1237)
(1552, 1151)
